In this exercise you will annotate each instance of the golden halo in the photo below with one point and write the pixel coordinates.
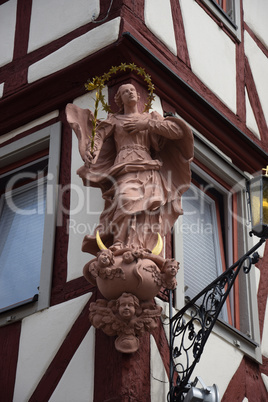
(98, 83)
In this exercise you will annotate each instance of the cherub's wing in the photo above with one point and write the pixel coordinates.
(81, 122)
(102, 317)
(149, 316)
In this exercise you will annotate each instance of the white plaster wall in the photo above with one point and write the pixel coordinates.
(86, 202)
(41, 336)
(178, 249)
(26, 127)
(1, 86)
(157, 106)
(52, 19)
(165, 315)
(250, 118)
(259, 67)
(265, 380)
(76, 50)
(77, 383)
(158, 18)
(7, 31)
(264, 344)
(257, 273)
(211, 52)
(255, 15)
(159, 378)
(218, 369)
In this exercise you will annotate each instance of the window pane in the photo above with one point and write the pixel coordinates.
(227, 6)
(21, 228)
(199, 249)
(230, 9)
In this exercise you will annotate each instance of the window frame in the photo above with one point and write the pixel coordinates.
(46, 138)
(39, 182)
(215, 161)
(234, 27)
(220, 264)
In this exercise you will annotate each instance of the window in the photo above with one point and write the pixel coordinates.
(210, 236)
(29, 176)
(21, 227)
(203, 251)
(228, 7)
(227, 12)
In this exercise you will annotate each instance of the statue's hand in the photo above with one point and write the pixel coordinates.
(90, 158)
(136, 125)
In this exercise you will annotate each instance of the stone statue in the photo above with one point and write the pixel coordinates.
(125, 318)
(169, 272)
(141, 163)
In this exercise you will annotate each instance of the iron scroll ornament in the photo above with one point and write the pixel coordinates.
(192, 325)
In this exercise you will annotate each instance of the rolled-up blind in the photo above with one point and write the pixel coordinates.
(21, 240)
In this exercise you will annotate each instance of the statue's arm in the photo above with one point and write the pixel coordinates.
(104, 130)
(80, 121)
(171, 127)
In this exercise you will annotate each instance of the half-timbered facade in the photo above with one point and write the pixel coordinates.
(208, 61)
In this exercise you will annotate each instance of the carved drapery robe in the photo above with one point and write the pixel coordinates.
(142, 176)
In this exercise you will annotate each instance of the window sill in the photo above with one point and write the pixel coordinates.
(22, 303)
(245, 344)
(18, 313)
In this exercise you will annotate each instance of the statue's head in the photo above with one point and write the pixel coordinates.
(170, 267)
(127, 304)
(126, 93)
(105, 258)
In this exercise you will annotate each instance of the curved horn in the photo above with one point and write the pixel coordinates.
(159, 245)
(99, 242)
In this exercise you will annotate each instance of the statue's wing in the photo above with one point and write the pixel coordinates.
(176, 154)
(81, 122)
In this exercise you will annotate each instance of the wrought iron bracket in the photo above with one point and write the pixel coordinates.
(192, 325)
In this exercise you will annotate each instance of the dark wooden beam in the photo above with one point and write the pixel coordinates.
(54, 91)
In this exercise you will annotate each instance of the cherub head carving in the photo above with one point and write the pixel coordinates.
(127, 306)
(105, 258)
(170, 268)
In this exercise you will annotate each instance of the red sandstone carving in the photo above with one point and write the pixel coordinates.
(141, 162)
(125, 317)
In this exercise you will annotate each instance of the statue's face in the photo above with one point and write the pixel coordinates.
(104, 259)
(126, 308)
(172, 269)
(128, 94)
